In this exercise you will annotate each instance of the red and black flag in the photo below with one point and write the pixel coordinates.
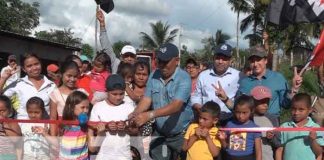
(284, 12)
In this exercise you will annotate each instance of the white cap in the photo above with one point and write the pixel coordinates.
(128, 49)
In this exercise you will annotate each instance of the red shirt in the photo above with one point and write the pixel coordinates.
(83, 82)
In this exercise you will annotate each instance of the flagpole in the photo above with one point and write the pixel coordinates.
(96, 31)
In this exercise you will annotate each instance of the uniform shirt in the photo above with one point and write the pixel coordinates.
(298, 143)
(199, 150)
(205, 92)
(25, 89)
(276, 83)
(162, 94)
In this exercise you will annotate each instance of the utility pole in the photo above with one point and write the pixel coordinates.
(179, 46)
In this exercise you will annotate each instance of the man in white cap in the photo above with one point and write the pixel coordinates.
(128, 52)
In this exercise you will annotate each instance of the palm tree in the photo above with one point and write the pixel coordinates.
(212, 42)
(160, 34)
(238, 6)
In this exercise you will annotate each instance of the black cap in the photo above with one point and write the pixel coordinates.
(106, 5)
(115, 82)
(167, 51)
(224, 49)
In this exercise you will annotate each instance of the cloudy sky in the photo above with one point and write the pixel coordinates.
(198, 19)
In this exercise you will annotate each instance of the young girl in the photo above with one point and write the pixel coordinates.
(70, 72)
(99, 74)
(127, 72)
(74, 139)
(36, 137)
(10, 146)
(242, 145)
(34, 84)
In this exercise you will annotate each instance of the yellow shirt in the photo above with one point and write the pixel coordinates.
(199, 150)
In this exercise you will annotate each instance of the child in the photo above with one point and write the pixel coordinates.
(242, 145)
(10, 148)
(70, 72)
(200, 139)
(262, 96)
(36, 136)
(99, 74)
(116, 143)
(74, 140)
(127, 72)
(305, 145)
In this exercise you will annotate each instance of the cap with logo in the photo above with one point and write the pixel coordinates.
(12, 57)
(167, 51)
(115, 82)
(258, 51)
(128, 49)
(261, 92)
(223, 49)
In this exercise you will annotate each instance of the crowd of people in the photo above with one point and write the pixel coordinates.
(198, 112)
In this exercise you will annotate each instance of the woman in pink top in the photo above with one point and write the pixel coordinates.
(99, 74)
(70, 72)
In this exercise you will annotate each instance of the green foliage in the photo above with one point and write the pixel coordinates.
(87, 50)
(117, 46)
(65, 36)
(18, 17)
(160, 34)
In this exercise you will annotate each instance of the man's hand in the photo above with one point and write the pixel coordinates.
(100, 17)
(7, 73)
(121, 125)
(220, 92)
(142, 118)
(297, 80)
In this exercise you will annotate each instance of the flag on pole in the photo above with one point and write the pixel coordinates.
(106, 5)
(317, 58)
(284, 12)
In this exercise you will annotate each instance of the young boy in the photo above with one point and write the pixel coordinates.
(303, 145)
(116, 142)
(262, 96)
(200, 139)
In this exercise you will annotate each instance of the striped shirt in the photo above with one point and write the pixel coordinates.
(74, 144)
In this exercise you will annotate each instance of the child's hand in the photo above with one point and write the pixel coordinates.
(101, 127)
(221, 135)
(204, 133)
(269, 134)
(121, 125)
(312, 135)
(198, 132)
(112, 126)
(39, 130)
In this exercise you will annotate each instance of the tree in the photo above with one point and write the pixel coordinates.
(117, 46)
(160, 34)
(256, 14)
(212, 42)
(87, 50)
(18, 17)
(238, 6)
(65, 36)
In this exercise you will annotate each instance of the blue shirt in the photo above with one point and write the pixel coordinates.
(298, 142)
(162, 94)
(241, 143)
(275, 82)
(205, 92)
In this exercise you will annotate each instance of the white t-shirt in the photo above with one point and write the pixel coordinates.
(114, 146)
(25, 89)
(13, 77)
(35, 145)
